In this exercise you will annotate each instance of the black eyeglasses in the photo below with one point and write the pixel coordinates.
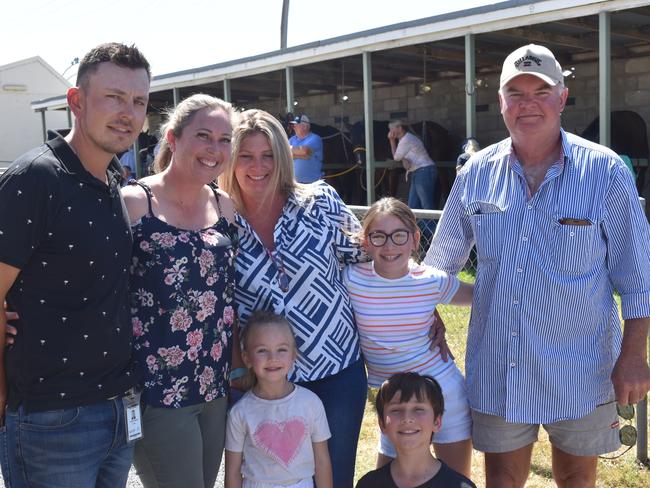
(399, 237)
(283, 279)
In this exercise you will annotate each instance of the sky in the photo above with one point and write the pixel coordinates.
(177, 35)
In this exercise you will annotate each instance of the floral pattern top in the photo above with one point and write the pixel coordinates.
(182, 291)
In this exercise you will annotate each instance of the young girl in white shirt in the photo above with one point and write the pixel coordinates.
(277, 433)
(394, 300)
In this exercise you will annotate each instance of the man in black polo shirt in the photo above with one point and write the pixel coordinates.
(65, 248)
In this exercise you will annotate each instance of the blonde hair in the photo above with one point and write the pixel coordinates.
(258, 321)
(181, 116)
(283, 181)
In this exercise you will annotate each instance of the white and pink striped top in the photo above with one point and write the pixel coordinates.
(394, 317)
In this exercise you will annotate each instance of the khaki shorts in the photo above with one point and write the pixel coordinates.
(591, 435)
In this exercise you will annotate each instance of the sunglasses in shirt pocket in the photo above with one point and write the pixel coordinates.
(487, 224)
(573, 244)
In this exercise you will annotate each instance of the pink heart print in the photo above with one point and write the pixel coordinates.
(281, 440)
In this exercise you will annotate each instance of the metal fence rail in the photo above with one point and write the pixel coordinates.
(427, 220)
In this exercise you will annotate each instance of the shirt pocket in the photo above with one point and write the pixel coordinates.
(487, 224)
(574, 247)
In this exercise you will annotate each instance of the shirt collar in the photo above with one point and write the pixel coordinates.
(71, 163)
(507, 152)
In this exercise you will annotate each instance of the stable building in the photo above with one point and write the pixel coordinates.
(444, 70)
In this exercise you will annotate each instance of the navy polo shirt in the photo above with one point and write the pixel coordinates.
(69, 235)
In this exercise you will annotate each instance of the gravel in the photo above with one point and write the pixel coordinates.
(134, 481)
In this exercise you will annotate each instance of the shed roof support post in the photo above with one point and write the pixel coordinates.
(642, 429)
(369, 126)
(289, 81)
(227, 96)
(176, 93)
(605, 77)
(470, 87)
(43, 125)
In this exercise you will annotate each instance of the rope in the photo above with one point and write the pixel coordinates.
(351, 168)
(376, 184)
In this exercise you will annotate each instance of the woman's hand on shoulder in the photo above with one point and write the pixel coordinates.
(135, 199)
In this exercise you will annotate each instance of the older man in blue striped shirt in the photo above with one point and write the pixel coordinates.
(558, 229)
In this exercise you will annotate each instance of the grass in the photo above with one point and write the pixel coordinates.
(622, 472)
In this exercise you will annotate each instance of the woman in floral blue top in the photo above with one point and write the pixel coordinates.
(182, 294)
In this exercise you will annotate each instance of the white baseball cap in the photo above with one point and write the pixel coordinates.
(299, 119)
(532, 60)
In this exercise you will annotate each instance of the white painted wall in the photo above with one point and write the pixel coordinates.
(20, 126)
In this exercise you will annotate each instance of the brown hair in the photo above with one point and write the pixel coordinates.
(410, 384)
(389, 206)
(181, 116)
(111, 52)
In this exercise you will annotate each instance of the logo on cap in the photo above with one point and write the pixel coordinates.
(528, 61)
(300, 119)
(534, 60)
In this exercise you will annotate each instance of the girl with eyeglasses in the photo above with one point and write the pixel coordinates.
(394, 300)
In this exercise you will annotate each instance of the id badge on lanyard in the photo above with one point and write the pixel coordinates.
(132, 417)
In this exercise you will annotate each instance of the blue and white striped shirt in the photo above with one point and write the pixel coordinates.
(313, 239)
(545, 332)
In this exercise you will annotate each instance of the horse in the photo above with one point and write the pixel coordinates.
(387, 180)
(629, 137)
(337, 152)
(339, 167)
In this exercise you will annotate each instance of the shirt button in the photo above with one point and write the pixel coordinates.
(477, 223)
(514, 333)
(520, 270)
(529, 207)
(512, 365)
(572, 234)
(525, 238)
(516, 302)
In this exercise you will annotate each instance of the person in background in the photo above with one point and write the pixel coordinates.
(277, 433)
(182, 296)
(410, 411)
(294, 240)
(420, 168)
(65, 250)
(470, 147)
(127, 175)
(558, 229)
(127, 160)
(307, 151)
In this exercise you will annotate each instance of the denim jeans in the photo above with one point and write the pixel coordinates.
(81, 447)
(422, 192)
(344, 397)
